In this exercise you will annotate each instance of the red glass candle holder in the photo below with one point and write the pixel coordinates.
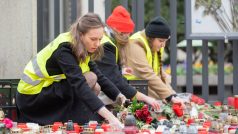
(56, 126)
(78, 128)
(202, 131)
(207, 124)
(230, 101)
(105, 127)
(190, 121)
(93, 126)
(23, 126)
(158, 132)
(236, 102)
(178, 109)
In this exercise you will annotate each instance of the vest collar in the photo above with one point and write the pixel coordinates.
(144, 36)
(109, 33)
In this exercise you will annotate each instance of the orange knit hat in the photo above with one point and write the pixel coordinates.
(120, 19)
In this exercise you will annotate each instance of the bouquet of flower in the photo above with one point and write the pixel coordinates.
(145, 115)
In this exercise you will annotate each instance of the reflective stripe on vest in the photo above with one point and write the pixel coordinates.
(35, 75)
(152, 59)
(107, 39)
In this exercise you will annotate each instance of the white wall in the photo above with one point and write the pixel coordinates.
(99, 8)
(18, 36)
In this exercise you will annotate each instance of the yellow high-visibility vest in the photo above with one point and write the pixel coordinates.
(105, 39)
(35, 75)
(152, 59)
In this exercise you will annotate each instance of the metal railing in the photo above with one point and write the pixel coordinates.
(138, 11)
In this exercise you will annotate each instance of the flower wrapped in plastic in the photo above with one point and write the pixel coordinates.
(145, 115)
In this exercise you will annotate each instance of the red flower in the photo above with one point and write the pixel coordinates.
(149, 120)
(138, 114)
(178, 109)
(145, 108)
(197, 100)
(146, 113)
(217, 103)
(142, 113)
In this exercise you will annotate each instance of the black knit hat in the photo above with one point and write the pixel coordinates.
(157, 28)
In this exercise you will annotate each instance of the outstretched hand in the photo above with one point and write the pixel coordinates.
(115, 123)
(154, 103)
(121, 99)
(178, 100)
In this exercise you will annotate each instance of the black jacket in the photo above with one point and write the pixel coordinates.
(69, 99)
(112, 70)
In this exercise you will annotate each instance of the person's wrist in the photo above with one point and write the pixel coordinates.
(112, 119)
(150, 100)
(169, 99)
(118, 96)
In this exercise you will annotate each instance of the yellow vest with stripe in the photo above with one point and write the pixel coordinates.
(35, 75)
(152, 58)
(105, 39)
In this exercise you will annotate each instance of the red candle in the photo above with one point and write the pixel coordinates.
(190, 121)
(230, 101)
(217, 103)
(93, 126)
(158, 132)
(207, 124)
(56, 126)
(105, 127)
(23, 126)
(178, 109)
(202, 131)
(78, 128)
(236, 102)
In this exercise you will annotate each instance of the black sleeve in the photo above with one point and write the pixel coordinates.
(75, 78)
(110, 69)
(106, 85)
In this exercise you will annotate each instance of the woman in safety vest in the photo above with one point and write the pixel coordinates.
(116, 37)
(61, 82)
(144, 56)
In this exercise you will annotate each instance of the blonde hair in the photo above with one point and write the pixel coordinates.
(80, 27)
(121, 42)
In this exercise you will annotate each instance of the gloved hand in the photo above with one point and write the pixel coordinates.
(121, 99)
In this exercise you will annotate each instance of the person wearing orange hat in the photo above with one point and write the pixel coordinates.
(116, 37)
